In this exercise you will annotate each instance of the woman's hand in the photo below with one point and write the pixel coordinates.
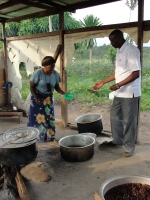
(59, 90)
(37, 100)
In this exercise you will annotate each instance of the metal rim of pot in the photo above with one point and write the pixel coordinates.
(90, 123)
(82, 116)
(77, 148)
(91, 135)
(119, 180)
(60, 141)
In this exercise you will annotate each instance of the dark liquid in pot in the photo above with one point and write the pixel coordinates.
(76, 146)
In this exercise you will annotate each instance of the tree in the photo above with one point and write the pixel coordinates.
(12, 29)
(90, 21)
(69, 22)
(112, 54)
(40, 25)
(131, 4)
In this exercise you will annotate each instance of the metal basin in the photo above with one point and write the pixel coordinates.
(90, 134)
(77, 148)
(116, 181)
(90, 123)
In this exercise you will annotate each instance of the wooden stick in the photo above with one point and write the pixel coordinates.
(22, 190)
(97, 196)
(57, 52)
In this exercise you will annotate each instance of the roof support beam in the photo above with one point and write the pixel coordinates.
(50, 11)
(140, 46)
(140, 24)
(63, 73)
(5, 63)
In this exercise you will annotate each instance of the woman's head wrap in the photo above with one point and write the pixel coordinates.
(48, 60)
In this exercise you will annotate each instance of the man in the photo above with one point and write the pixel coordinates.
(124, 111)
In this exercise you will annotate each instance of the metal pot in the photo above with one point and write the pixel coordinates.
(18, 156)
(16, 150)
(116, 181)
(90, 134)
(90, 123)
(77, 148)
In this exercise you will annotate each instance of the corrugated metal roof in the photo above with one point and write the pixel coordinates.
(16, 10)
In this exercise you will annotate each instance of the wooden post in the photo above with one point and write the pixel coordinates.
(140, 46)
(5, 62)
(63, 74)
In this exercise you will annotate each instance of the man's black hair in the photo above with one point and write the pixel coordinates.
(117, 33)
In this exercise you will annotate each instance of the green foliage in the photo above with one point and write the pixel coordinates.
(0, 30)
(90, 20)
(132, 4)
(129, 39)
(1, 45)
(40, 25)
(112, 54)
(12, 29)
(80, 82)
(69, 22)
(30, 26)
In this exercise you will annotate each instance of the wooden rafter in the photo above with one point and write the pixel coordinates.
(32, 4)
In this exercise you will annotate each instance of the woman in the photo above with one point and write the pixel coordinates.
(42, 84)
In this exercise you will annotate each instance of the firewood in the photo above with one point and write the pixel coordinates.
(96, 196)
(22, 190)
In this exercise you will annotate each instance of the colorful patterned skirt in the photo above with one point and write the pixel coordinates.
(41, 116)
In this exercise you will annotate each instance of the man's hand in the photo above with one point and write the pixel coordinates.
(114, 87)
(98, 85)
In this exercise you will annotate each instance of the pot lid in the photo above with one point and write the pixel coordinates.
(9, 145)
(21, 135)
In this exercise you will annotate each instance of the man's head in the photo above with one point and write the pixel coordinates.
(116, 38)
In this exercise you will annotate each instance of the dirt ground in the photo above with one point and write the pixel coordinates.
(79, 180)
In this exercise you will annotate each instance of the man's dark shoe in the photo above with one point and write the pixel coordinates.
(111, 144)
(128, 154)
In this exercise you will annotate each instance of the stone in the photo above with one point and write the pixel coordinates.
(37, 172)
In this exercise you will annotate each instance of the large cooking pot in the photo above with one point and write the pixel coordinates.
(18, 146)
(90, 123)
(77, 148)
(18, 156)
(120, 180)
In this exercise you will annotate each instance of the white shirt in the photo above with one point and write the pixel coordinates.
(128, 61)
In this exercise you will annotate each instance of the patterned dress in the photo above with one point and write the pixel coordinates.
(41, 116)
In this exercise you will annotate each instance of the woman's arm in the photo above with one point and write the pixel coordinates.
(33, 91)
(58, 89)
(33, 88)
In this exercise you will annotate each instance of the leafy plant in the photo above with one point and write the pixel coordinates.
(90, 21)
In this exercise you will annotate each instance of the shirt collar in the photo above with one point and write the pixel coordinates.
(123, 47)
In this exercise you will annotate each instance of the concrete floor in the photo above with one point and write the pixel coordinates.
(79, 180)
